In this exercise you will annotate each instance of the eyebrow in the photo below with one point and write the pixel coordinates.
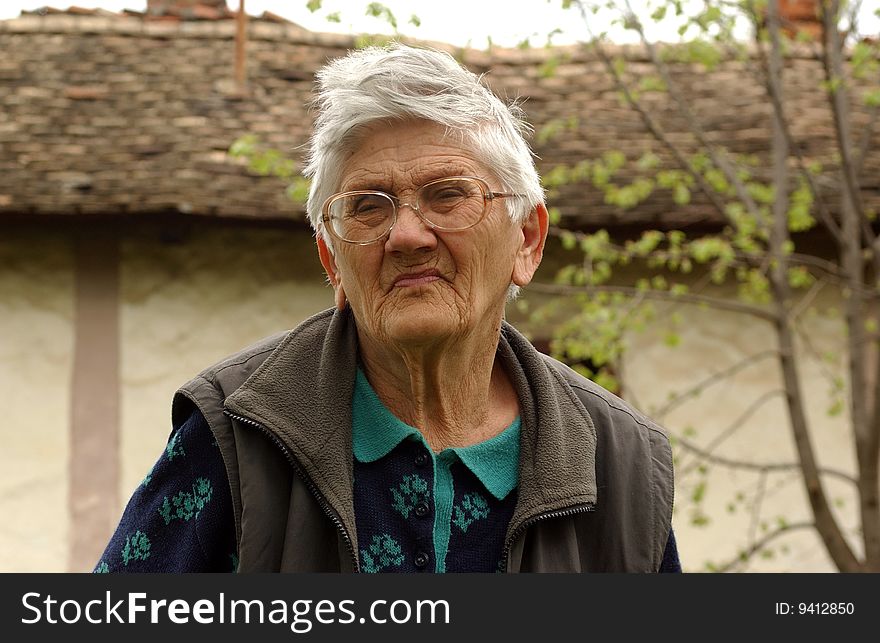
(376, 185)
(421, 178)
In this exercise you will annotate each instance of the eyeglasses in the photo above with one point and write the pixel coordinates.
(454, 203)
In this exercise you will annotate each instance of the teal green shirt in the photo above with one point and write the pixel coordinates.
(421, 511)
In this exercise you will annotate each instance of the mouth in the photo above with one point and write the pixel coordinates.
(410, 279)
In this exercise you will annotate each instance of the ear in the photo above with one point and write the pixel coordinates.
(329, 263)
(530, 252)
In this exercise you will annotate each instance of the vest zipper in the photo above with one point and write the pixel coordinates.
(322, 501)
(559, 513)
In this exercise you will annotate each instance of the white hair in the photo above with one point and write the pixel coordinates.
(399, 83)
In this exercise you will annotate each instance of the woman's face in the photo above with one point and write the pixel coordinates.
(418, 285)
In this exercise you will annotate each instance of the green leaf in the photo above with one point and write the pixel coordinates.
(298, 190)
(699, 492)
(243, 146)
(754, 286)
(831, 86)
(601, 174)
(718, 181)
(836, 408)
(607, 381)
(652, 84)
(334, 17)
(699, 519)
(549, 131)
(647, 243)
(872, 98)
(863, 60)
(548, 68)
(415, 21)
(614, 160)
(379, 10)
(800, 277)
(648, 161)
(762, 193)
(672, 339)
(313, 5)
(557, 176)
(681, 194)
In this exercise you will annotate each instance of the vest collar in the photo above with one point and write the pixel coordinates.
(302, 394)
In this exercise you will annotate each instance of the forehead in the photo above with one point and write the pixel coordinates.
(407, 154)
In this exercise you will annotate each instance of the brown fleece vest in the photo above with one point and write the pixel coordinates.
(595, 478)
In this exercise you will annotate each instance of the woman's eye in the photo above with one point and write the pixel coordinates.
(450, 193)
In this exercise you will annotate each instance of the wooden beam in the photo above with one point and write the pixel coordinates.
(240, 41)
(93, 496)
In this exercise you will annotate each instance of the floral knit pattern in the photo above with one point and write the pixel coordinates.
(180, 516)
(472, 507)
(384, 552)
(409, 493)
(185, 505)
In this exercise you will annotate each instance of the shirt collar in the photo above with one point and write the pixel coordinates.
(376, 431)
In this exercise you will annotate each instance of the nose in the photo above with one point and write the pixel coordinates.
(410, 232)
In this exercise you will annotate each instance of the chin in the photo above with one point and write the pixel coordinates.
(424, 326)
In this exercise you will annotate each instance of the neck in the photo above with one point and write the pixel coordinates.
(453, 391)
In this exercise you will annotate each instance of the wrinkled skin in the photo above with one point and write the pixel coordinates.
(429, 303)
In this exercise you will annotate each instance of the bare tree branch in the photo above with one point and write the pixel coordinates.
(650, 123)
(715, 378)
(756, 507)
(807, 341)
(663, 295)
(807, 299)
(773, 92)
(832, 535)
(763, 542)
(828, 267)
(865, 142)
(716, 153)
(748, 465)
(734, 426)
(853, 262)
(871, 459)
(832, 54)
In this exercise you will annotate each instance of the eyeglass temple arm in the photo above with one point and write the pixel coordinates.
(498, 195)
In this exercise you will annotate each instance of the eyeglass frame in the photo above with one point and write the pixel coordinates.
(488, 197)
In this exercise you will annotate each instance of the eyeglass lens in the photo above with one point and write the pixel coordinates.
(448, 204)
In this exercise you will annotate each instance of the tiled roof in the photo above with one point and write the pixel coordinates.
(113, 114)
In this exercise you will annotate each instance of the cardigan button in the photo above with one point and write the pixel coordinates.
(421, 459)
(421, 560)
(422, 509)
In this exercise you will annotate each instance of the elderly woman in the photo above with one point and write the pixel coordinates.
(409, 429)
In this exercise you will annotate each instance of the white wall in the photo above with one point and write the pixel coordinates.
(187, 304)
(36, 342)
